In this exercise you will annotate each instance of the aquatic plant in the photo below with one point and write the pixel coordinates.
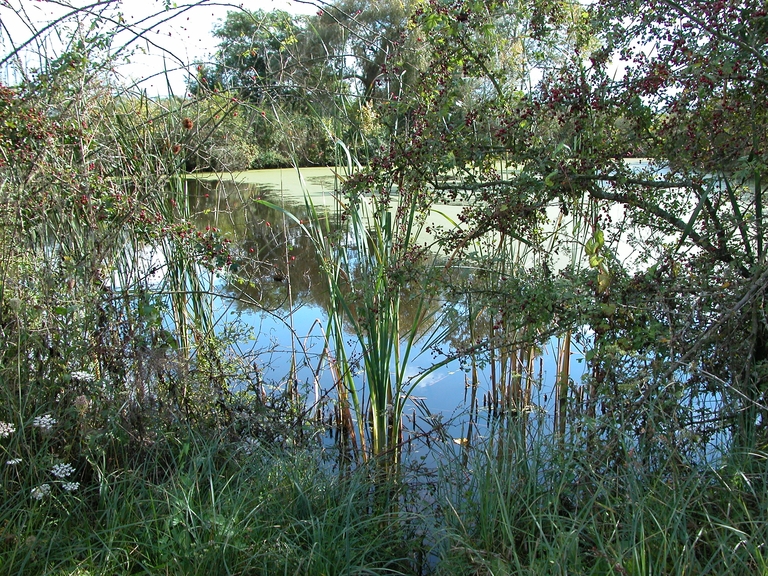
(369, 265)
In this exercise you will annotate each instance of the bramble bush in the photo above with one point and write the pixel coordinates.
(105, 316)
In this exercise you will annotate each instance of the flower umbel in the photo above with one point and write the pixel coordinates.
(6, 429)
(82, 403)
(45, 422)
(13, 462)
(41, 491)
(70, 486)
(62, 470)
(249, 445)
(83, 376)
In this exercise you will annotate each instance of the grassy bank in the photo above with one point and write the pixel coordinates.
(197, 505)
(204, 504)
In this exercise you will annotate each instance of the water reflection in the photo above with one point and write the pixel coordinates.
(279, 291)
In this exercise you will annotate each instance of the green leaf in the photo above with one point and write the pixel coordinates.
(608, 308)
(549, 180)
(599, 238)
(603, 281)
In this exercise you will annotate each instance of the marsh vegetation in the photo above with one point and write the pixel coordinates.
(504, 178)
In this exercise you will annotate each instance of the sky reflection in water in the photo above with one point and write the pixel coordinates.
(281, 296)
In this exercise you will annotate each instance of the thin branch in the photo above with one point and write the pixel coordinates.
(757, 286)
(657, 184)
(718, 34)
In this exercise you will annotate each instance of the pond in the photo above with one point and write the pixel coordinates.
(281, 296)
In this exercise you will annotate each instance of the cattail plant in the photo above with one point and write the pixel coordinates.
(366, 268)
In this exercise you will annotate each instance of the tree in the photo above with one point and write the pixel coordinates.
(703, 94)
(359, 39)
(677, 331)
(255, 51)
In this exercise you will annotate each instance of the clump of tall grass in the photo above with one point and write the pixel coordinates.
(368, 267)
(106, 316)
(530, 506)
(204, 505)
(102, 270)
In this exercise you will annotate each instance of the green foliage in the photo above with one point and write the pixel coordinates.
(359, 40)
(255, 49)
(229, 134)
(201, 505)
(125, 446)
(302, 83)
(532, 508)
(534, 140)
(106, 323)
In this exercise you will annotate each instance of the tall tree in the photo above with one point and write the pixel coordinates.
(255, 51)
(359, 38)
(545, 137)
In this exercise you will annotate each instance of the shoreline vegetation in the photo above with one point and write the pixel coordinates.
(138, 434)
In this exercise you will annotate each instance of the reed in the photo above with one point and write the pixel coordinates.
(518, 334)
(533, 506)
(108, 279)
(367, 266)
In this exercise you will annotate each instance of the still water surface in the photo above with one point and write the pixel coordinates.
(281, 296)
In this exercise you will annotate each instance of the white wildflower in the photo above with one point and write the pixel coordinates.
(6, 429)
(13, 462)
(41, 491)
(62, 470)
(83, 376)
(249, 445)
(70, 486)
(45, 422)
